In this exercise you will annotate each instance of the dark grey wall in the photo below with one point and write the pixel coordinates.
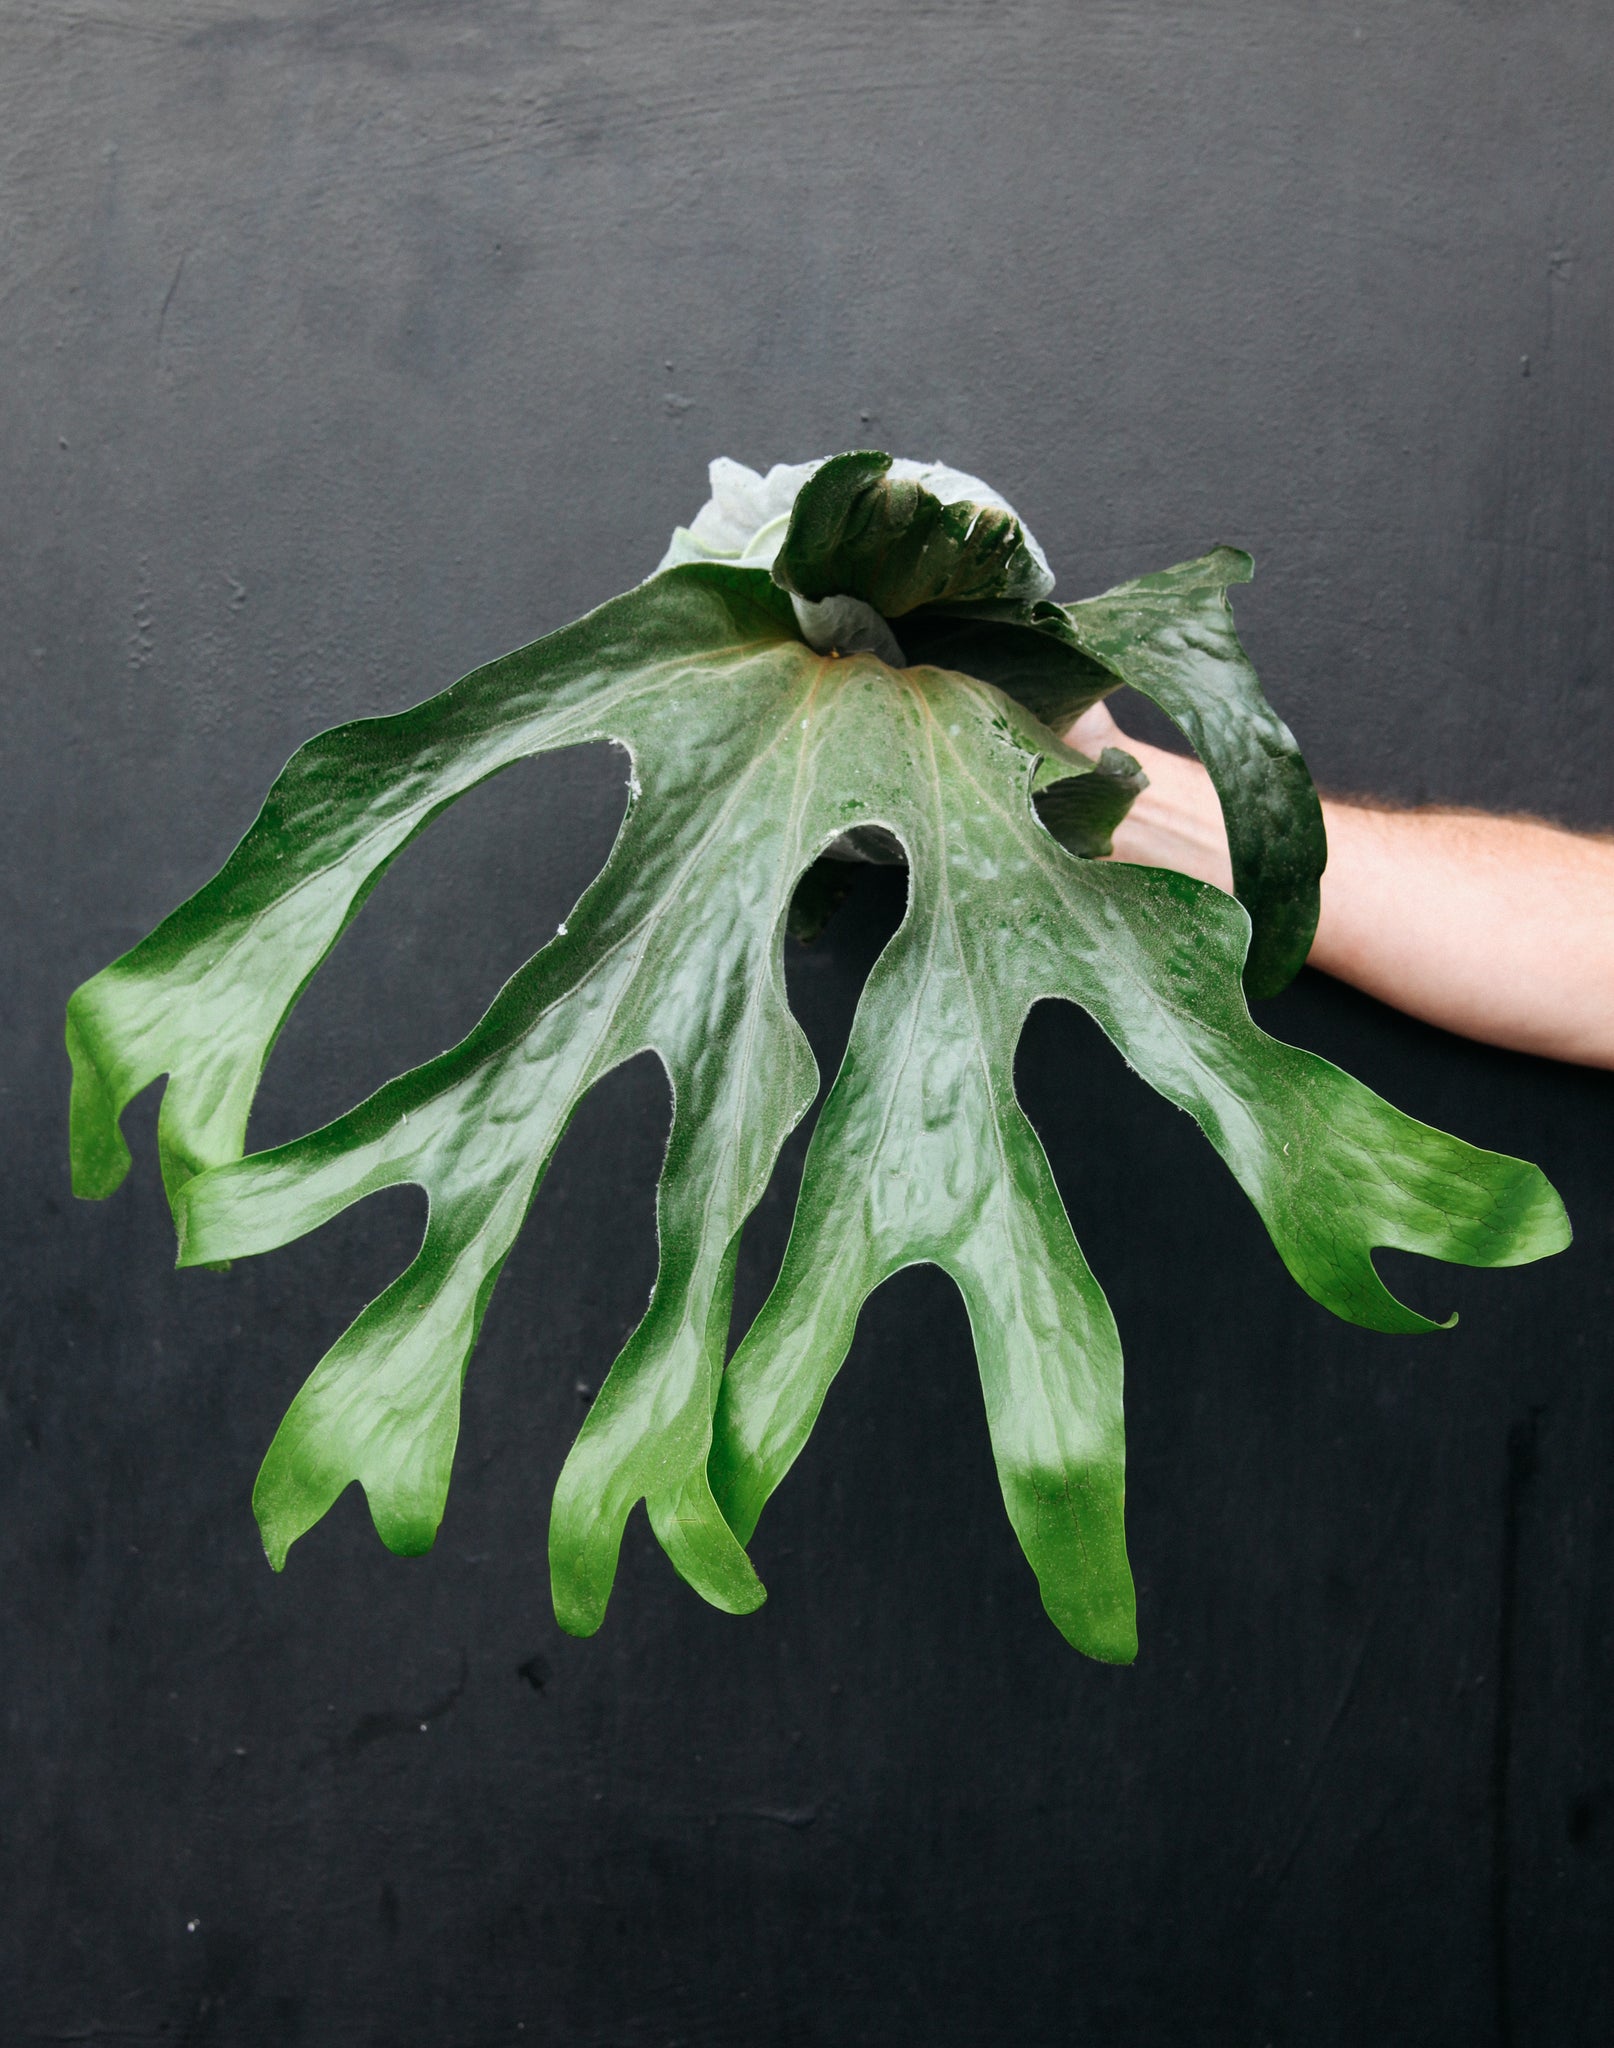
(346, 346)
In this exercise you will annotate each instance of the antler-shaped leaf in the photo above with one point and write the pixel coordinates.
(922, 1153)
(1171, 637)
(752, 753)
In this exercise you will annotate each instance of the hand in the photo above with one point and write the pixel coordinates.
(1177, 821)
(1499, 928)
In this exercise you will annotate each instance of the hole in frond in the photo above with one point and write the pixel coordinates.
(1144, 1189)
(823, 983)
(893, 1513)
(1429, 1286)
(1140, 718)
(460, 909)
(574, 1286)
(293, 1304)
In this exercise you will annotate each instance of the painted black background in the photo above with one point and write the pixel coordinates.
(347, 346)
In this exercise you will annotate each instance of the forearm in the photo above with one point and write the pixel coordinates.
(1501, 929)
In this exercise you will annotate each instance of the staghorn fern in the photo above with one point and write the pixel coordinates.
(853, 659)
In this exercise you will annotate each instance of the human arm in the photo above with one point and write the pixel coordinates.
(1498, 928)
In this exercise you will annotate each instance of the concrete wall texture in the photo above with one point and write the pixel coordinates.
(349, 345)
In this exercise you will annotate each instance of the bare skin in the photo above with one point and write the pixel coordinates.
(1497, 928)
